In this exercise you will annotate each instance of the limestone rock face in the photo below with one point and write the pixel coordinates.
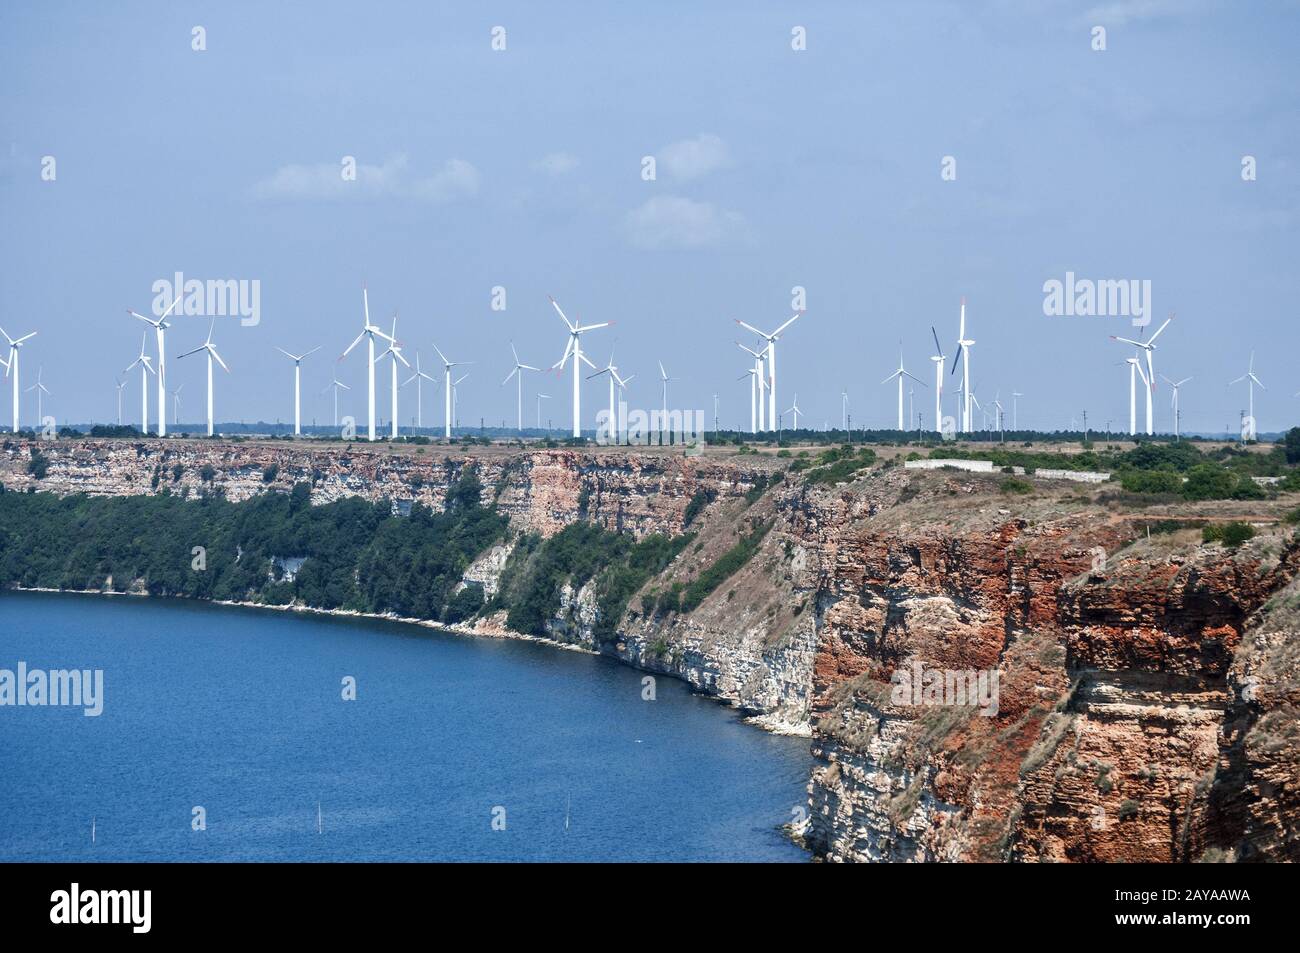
(1147, 693)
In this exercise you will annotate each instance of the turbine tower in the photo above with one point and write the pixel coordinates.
(663, 380)
(614, 380)
(1134, 371)
(760, 375)
(1174, 402)
(11, 368)
(844, 410)
(517, 373)
(939, 359)
(160, 325)
(1015, 408)
(297, 385)
(419, 377)
(454, 385)
(753, 374)
(574, 347)
(771, 340)
(212, 355)
(900, 374)
(176, 404)
(1149, 345)
(446, 374)
(394, 351)
(119, 383)
(541, 397)
(369, 331)
(963, 354)
(146, 368)
(1251, 380)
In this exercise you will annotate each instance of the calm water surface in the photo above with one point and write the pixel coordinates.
(239, 711)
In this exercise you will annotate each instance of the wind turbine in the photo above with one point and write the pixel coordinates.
(446, 373)
(119, 384)
(297, 384)
(844, 410)
(454, 385)
(1134, 371)
(1174, 403)
(900, 374)
(336, 384)
(1015, 408)
(369, 331)
(963, 354)
(11, 368)
(761, 376)
(663, 380)
(540, 398)
(755, 402)
(394, 351)
(146, 368)
(41, 391)
(771, 362)
(176, 404)
(517, 373)
(419, 377)
(160, 325)
(612, 370)
(939, 359)
(1251, 380)
(1149, 346)
(212, 355)
(794, 408)
(997, 403)
(574, 347)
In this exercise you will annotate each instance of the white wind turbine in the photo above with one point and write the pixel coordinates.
(419, 377)
(41, 391)
(771, 340)
(761, 376)
(336, 384)
(1015, 409)
(176, 404)
(574, 347)
(794, 408)
(160, 325)
(997, 403)
(754, 376)
(394, 352)
(446, 374)
(146, 368)
(119, 384)
(1134, 371)
(212, 355)
(454, 385)
(663, 380)
(611, 369)
(964, 345)
(1251, 380)
(369, 331)
(844, 410)
(517, 372)
(1149, 345)
(541, 397)
(1174, 402)
(939, 358)
(900, 374)
(297, 386)
(11, 368)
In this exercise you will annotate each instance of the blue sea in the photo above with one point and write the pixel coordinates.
(455, 748)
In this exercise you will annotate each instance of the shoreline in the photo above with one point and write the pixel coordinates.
(763, 722)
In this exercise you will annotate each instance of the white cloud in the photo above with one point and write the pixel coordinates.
(1122, 12)
(557, 163)
(692, 158)
(670, 221)
(454, 179)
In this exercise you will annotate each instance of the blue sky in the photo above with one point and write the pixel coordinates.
(776, 168)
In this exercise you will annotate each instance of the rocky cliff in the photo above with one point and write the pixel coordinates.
(1064, 675)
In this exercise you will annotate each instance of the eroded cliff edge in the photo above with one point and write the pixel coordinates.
(1148, 682)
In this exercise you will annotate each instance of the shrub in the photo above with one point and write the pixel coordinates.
(1230, 535)
(1016, 485)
